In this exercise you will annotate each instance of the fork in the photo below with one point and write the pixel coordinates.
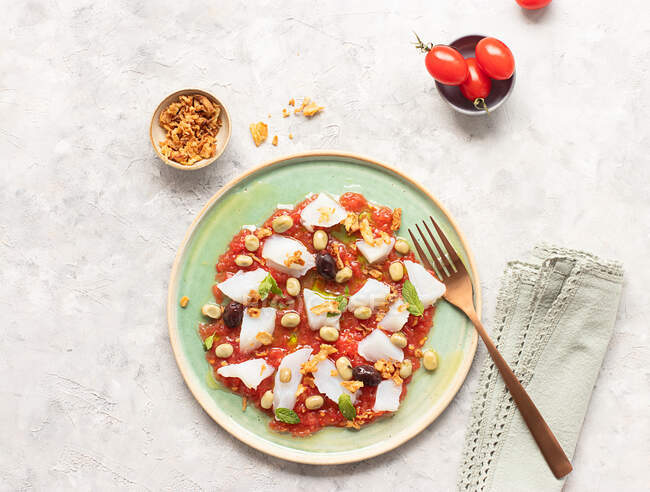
(459, 292)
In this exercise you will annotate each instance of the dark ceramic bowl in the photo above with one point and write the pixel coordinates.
(500, 92)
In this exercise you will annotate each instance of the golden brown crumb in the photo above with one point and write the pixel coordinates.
(259, 260)
(296, 258)
(326, 307)
(264, 338)
(397, 219)
(312, 364)
(254, 312)
(376, 273)
(311, 109)
(352, 386)
(292, 102)
(291, 136)
(275, 140)
(337, 254)
(263, 232)
(366, 232)
(191, 126)
(184, 301)
(299, 109)
(260, 131)
(351, 222)
(253, 295)
(285, 113)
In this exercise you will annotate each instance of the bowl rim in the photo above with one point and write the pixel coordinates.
(203, 162)
(253, 440)
(471, 112)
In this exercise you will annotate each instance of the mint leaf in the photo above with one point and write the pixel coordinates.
(207, 343)
(268, 285)
(287, 416)
(346, 407)
(410, 295)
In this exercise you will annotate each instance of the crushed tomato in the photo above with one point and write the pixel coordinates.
(287, 340)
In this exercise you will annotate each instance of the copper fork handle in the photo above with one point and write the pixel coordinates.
(548, 444)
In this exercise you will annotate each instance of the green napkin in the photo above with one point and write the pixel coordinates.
(554, 319)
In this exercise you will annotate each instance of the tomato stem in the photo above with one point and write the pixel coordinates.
(479, 103)
(424, 48)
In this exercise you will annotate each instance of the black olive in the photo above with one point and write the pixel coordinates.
(326, 265)
(368, 375)
(233, 314)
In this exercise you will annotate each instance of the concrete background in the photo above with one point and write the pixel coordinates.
(90, 219)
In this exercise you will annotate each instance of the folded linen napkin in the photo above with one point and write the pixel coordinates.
(554, 319)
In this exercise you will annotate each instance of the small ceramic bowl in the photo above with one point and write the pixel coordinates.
(500, 92)
(157, 133)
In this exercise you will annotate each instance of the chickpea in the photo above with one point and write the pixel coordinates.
(282, 223)
(243, 260)
(396, 271)
(267, 400)
(402, 247)
(430, 360)
(320, 240)
(406, 369)
(399, 339)
(285, 375)
(290, 320)
(251, 242)
(213, 311)
(344, 368)
(329, 333)
(223, 351)
(362, 312)
(314, 402)
(343, 275)
(293, 286)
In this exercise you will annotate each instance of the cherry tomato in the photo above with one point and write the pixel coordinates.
(495, 58)
(478, 84)
(446, 65)
(533, 4)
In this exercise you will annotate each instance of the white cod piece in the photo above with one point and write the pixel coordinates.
(330, 385)
(317, 321)
(284, 394)
(325, 211)
(241, 283)
(371, 294)
(378, 346)
(429, 288)
(250, 327)
(251, 372)
(387, 397)
(376, 253)
(396, 317)
(277, 249)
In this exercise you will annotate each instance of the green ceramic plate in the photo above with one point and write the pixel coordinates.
(249, 200)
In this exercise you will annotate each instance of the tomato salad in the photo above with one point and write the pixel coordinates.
(320, 314)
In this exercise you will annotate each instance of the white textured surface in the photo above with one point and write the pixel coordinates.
(90, 219)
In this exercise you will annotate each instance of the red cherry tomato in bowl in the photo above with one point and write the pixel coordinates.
(495, 58)
(446, 65)
(533, 4)
(478, 84)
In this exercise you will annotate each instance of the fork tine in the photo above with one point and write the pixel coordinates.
(443, 257)
(423, 257)
(433, 255)
(450, 249)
